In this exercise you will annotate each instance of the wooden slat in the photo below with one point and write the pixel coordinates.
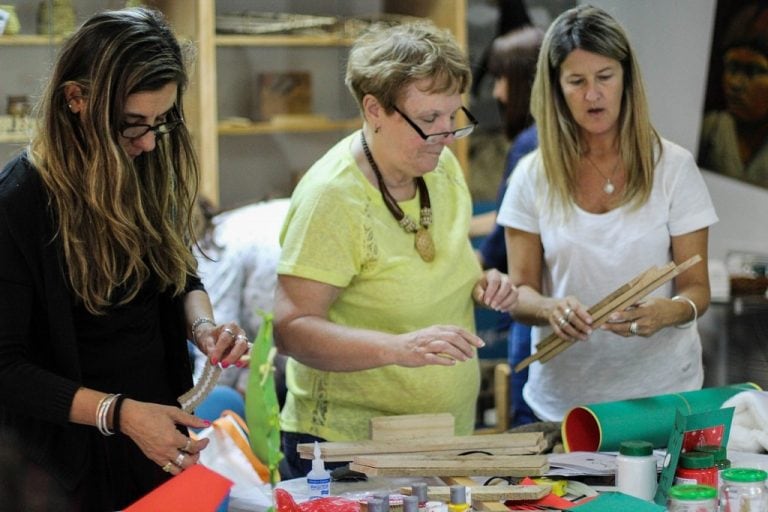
(615, 302)
(494, 506)
(412, 426)
(513, 443)
(623, 297)
(409, 465)
(488, 492)
(490, 506)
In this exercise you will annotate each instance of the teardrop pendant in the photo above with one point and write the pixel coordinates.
(608, 188)
(424, 244)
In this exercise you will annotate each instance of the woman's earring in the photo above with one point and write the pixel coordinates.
(376, 130)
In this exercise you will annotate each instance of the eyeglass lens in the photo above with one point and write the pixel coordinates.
(134, 131)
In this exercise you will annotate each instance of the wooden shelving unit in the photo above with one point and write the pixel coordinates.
(264, 150)
(223, 144)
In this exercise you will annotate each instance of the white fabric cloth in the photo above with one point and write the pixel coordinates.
(749, 428)
(589, 255)
(241, 274)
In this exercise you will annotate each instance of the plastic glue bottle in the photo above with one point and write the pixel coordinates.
(319, 479)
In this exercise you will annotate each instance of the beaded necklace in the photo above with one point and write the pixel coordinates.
(423, 242)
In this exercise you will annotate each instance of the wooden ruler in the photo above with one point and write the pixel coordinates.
(621, 298)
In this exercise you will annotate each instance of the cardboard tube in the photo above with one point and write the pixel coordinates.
(603, 426)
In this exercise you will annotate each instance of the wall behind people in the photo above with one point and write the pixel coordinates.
(673, 41)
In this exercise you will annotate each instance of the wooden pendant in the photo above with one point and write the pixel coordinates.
(424, 244)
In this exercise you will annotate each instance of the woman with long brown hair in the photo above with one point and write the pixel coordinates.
(98, 287)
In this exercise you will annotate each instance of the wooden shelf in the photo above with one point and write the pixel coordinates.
(298, 126)
(14, 138)
(29, 40)
(282, 40)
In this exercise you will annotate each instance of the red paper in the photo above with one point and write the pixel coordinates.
(285, 503)
(197, 489)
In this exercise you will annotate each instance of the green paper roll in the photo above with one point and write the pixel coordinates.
(603, 426)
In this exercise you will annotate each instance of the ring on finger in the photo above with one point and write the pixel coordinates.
(230, 332)
(242, 336)
(179, 459)
(562, 321)
(633, 328)
(187, 445)
(167, 468)
(567, 314)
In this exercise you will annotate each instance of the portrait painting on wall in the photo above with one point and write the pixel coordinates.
(734, 133)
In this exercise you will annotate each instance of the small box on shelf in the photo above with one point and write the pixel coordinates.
(280, 93)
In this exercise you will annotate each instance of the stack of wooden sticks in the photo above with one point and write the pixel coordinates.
(624, 296)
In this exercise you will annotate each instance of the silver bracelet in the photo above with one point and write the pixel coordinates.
(197, 323)
(695, 311)
(102, 413)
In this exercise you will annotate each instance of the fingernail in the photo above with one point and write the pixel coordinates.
(225, 365)
(206, 423)
(214, 361)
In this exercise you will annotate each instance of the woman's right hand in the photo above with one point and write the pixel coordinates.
(153, 428)
(570, 319)
(439, 344)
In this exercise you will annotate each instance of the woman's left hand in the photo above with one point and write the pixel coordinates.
(223, 343)
(153, 428)
(645, 318)
(495, 291)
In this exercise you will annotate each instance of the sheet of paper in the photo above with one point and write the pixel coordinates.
(590, 463)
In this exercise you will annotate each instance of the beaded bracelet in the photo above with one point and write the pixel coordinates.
(695, 311)
(116, 414)
(197, 323)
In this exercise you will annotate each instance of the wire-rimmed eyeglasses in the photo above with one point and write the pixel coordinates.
(434, 138)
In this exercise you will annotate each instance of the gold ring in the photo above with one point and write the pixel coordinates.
(167, 468)
(562, 321)
(179, 459)
(187, 445)
(229, 331)
(568, 312)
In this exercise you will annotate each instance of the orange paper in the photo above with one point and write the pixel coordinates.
(197, 489)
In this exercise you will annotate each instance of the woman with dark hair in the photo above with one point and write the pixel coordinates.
(602, 199)
(512, 63)
(734, 141)
(98, 286)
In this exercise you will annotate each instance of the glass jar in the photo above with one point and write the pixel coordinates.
(692, 498)
(721, 460)
(744, 490)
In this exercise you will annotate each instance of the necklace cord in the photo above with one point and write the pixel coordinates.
(425, 219)
(608, 188)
